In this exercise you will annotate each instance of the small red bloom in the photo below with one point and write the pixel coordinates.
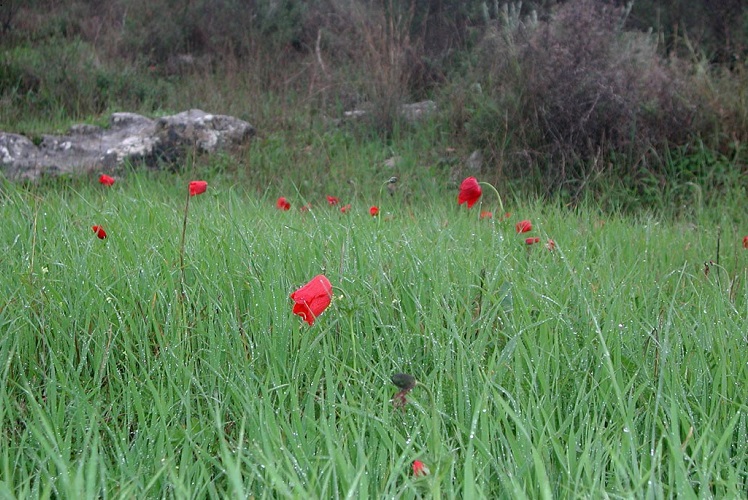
(745, 242)
(420, 469)
(306, 208)
(345, 208)
(332, 200)
(99, 232)
(551, 245)
(312, 299)
(486, 215)
(374, 211)
(532, 241)
(523, 226)
(507, 215)
(470, 192)
(106, 180)
(283, 204)
(198, 187)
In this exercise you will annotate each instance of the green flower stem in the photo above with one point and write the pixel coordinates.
(498, 196)
(181, 247)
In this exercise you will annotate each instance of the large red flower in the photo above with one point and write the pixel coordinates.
(106, 180)
(470, 192)
(99, 232)
(283, 204)
(312, 299)
(523, 226)
(198, 187)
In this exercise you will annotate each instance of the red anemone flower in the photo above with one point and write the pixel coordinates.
(333, 200)
(283, 204)
(99, 232)
(745, 242)
(523, 226)
(470, 192)
(312, 299)
(198, 187)
(374, 211)
(345, 208)
(420, 469)
(486, 214)
(532, 241)
(106, 180)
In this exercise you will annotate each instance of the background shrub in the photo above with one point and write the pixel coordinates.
(551, 92)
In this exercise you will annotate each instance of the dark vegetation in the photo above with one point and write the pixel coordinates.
(623, 101)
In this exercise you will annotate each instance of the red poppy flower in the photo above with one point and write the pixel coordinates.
(532, 241)
(374, 211)
(283, 204)
(486, 214)
(99, 232)
(470, 192)
(106, 180)
(198, 187)
(551, 245)
(332, 200)
(420, 469)
(312, 299)
(345, 208)
(523, 226)
(745, 242)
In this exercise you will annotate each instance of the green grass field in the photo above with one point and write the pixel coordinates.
(613, 366)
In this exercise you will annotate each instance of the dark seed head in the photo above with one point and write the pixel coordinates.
(403, 381)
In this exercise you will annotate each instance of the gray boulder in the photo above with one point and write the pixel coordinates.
(129, 138)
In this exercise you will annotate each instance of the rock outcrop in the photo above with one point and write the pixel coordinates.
(129, 138)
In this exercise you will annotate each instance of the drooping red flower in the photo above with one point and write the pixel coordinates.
(405, 383)
(532, 241)
(198, 187)
(470, 192)
(345, 208)
(523, 226)
(106, 180)
(374, 211)
(486, 214)
(745, 242)
(332, 200)
(283, 204)
(420, 469)
(551, 245)
(312, 299)
(99, 232)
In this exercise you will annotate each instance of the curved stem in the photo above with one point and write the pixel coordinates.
(498, 196)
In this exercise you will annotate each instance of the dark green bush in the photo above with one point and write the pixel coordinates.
(561, 95)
